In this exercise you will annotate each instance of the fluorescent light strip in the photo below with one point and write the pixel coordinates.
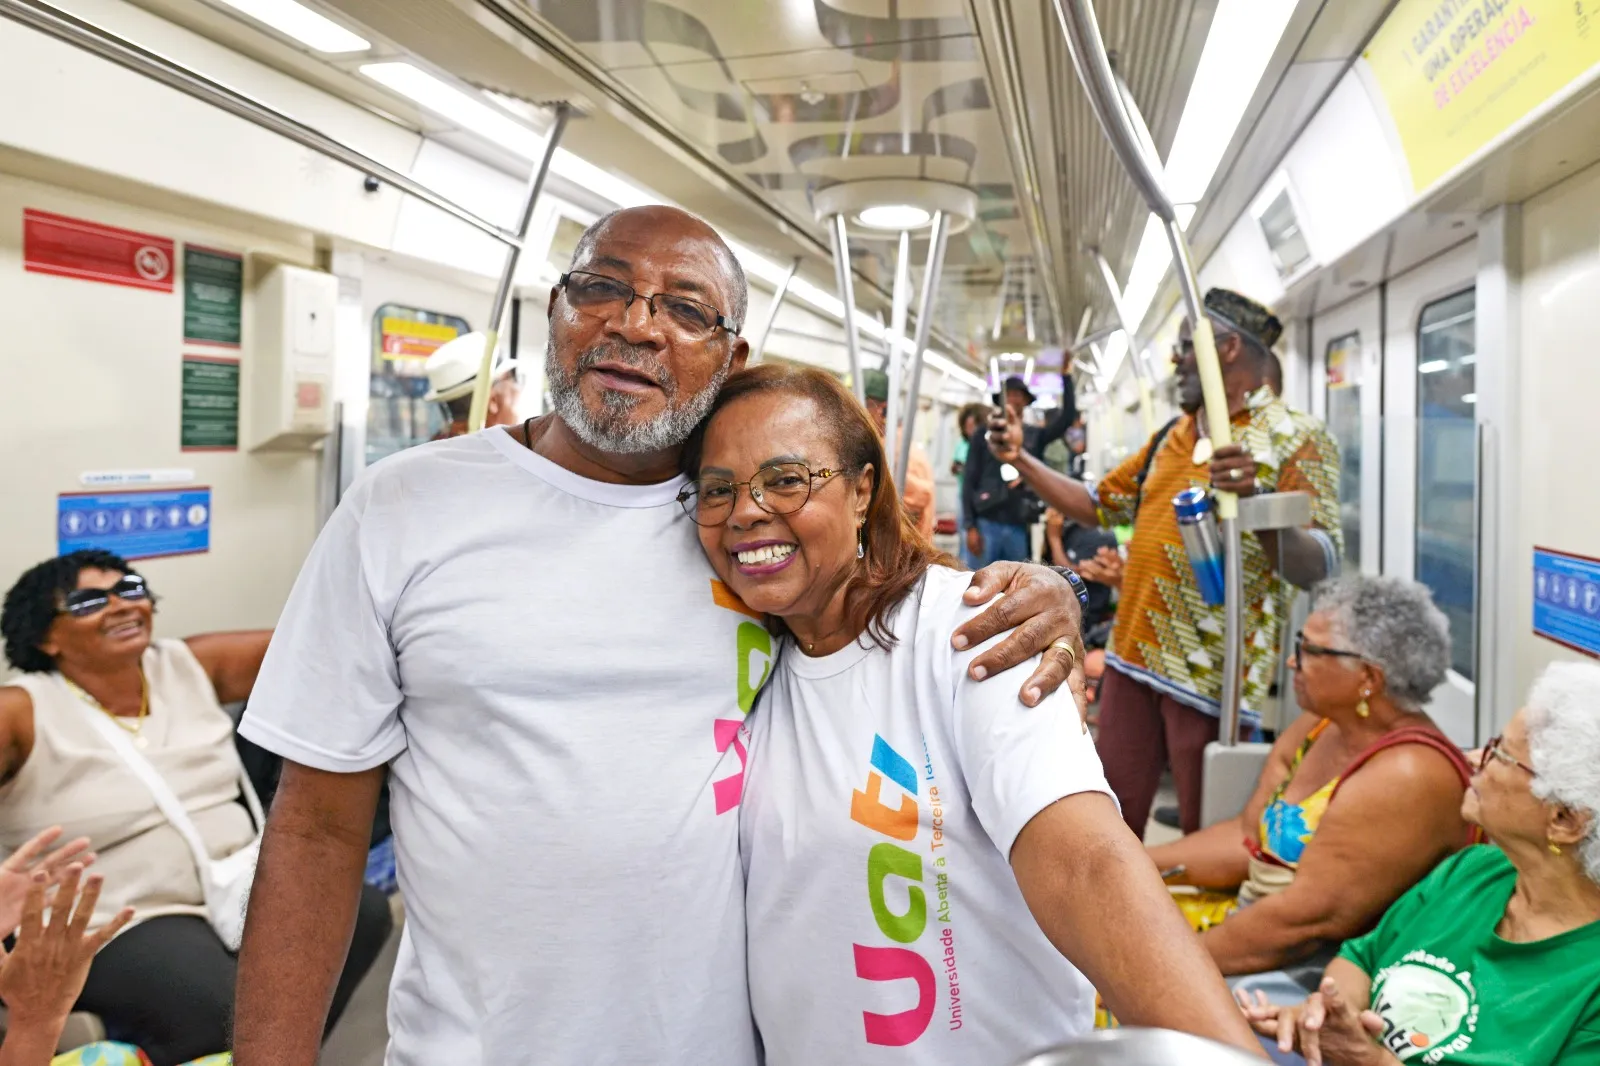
(1433, 366)
(1240, 43)
(1243, 36)
(315, 31)
(472, 113)
(467, 111)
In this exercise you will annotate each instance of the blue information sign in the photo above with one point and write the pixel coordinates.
(1566, 599)
(135, 525)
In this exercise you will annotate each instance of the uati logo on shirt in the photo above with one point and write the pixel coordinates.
(753, 646)
(1429, 1008)
(897, 821)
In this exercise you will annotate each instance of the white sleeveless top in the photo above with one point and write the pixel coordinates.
(75, 780)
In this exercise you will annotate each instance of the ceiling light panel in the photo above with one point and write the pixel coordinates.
(1243, 36)
(315, 31)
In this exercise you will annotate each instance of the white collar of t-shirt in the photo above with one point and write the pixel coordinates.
(560, 477)
(816, 667)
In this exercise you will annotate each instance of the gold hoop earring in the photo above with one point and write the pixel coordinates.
(1363, 710)
(1555, 849)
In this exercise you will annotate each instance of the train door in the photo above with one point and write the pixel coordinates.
(1347, 394)
(1430, 446)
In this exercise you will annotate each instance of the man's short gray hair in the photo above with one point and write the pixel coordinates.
(1393, 624)
(1563, 717)
(737, 284)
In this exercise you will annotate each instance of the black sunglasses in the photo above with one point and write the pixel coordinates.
(81, 603)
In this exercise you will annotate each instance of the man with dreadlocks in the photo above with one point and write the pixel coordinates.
(1160, 699)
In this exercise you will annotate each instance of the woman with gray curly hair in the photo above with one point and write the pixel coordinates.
(1495, 957)
(1358, 800)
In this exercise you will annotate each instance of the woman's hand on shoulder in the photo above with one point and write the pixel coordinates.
(1040, 610)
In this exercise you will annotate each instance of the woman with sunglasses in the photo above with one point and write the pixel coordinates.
(79, 629)
(1358, 800)
(1494, 959)
(931, 867)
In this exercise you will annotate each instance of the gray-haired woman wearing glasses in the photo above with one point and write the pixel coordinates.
(1495, 957)
(1321, 849)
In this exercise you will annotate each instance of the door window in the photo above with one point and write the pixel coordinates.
(402, 339)
(1447, 467)
(1343, 361)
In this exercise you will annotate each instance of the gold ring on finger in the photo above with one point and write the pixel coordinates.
(1066, 646)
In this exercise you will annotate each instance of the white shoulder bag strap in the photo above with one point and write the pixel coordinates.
(226, 882)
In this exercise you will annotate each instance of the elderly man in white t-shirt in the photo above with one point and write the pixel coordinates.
(521, 623)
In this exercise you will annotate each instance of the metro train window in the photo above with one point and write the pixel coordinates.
(402, 339)
(1447, 473)
(1343, 362)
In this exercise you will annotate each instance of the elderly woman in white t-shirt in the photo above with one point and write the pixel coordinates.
(930, 865)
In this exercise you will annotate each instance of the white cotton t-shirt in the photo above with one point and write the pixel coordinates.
(885, 790)
(550, 667)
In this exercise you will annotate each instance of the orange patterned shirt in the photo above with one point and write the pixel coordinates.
(1165, 635)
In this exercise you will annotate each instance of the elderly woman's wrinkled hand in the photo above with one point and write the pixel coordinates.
(1329, 1029)
(1041, 612)
(41, 976)
(16, 872)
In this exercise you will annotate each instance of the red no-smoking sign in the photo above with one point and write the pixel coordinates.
(76, 248)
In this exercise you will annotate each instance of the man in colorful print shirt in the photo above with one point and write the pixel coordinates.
(1160, 697)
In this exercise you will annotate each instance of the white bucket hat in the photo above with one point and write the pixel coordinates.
(452, 369)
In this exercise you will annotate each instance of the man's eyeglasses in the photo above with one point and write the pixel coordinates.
(780, 489)
(1303, 647)
(603, 297)
(1496, 749)
(81, 603)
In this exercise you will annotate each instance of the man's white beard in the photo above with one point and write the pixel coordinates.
(612, 429)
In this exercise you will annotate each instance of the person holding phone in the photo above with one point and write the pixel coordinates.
(998, 504)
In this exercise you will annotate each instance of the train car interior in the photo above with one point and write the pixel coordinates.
(260, 250)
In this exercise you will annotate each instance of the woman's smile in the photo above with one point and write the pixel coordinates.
(762, 557)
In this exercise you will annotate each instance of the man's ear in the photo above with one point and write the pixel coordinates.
(550, 308)
(739, 355)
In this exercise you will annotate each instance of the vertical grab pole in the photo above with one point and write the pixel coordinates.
(847, 296)
(1112, 108)
(502, 293)
(899, 298)
(937, 237)
(759, 348)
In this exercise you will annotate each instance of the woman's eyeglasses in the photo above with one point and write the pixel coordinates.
(603, 297)
(1496, 749)
(81, 603)
(782, 488)
(1302, 646)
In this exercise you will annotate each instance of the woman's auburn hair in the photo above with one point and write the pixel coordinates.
(897, 555)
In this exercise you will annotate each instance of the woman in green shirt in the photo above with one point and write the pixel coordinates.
(1494, 958)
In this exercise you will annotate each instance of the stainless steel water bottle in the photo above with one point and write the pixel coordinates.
(1197, 521)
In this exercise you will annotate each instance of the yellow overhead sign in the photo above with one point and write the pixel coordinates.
(1455, 74)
